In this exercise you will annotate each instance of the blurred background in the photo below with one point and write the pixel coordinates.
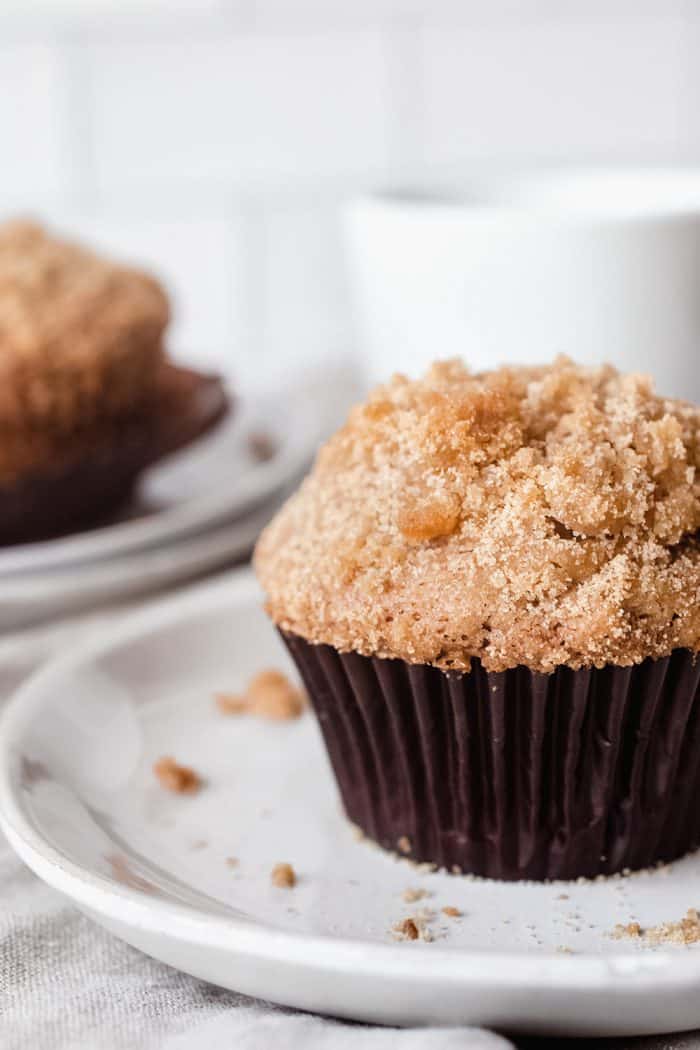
(214, 140)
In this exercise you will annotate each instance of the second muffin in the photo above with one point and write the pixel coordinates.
(491, 587)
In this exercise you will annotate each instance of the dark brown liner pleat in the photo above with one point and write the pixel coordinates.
(514, 775)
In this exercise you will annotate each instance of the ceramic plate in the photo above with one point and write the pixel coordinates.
(28, 598)
(255, 451)
(80, 804)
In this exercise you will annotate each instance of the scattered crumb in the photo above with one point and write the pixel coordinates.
(180, 779)
(456, 870)
(269, 694)
(404, 844)
(563, 897)
(405, 930)
(262, 446)
(199, 844)
(232, 862)
(283, 876)
(632, 929)
(686, 931)
(564, 949)
(413, 894)
(231, 703)
(412, 929)
(452, 912)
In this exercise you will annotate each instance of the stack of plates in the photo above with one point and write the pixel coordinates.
(197, 511)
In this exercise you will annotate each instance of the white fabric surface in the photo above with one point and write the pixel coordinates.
(65, 984)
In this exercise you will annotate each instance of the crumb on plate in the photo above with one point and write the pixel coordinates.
(231, 703)
(685, 931)
(269, 694)
(413, 928)
(283, 876)
(413, 894)
(182, 780)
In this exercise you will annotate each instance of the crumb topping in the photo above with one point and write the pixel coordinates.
(79, 336)
(451, 912)
(538, 516)
(283, 876)
(180, 779)
(269, 694)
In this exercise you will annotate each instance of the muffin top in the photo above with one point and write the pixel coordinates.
(538, 516)
(78, 334)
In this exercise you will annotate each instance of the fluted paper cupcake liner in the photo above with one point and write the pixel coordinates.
(514, 775)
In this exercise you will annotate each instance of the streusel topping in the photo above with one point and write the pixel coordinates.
(537, 516)
(79, 336)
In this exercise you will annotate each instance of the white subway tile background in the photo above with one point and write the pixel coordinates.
(216, 141)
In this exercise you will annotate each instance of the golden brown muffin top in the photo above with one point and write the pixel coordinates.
(537, 516)
(71, 322)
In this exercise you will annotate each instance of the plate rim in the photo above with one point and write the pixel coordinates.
(178, 921)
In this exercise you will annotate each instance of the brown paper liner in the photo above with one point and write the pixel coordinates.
(514, 775)
(85, 488)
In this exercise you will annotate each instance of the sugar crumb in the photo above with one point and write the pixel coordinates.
(269, 694)
(182, 780)
(232, 862)
(405, 930)
(413, 894)
(413, 928)
(685, 931)
(231, 703)
(452, 912)
(630, 929)
(283, 876)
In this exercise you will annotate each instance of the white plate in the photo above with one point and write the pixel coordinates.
(218, 477)
(28, 598)
(79, 803)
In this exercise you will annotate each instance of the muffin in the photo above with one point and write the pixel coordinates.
(88, 397)
(81, 338)
(491, 587)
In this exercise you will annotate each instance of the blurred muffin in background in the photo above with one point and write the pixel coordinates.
(80, 338)
(88, 397)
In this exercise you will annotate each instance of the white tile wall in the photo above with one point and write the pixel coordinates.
(252, 110)
(215, 140)
(597, 87)
(33, 155)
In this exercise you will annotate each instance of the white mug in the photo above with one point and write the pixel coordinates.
(599, 265)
